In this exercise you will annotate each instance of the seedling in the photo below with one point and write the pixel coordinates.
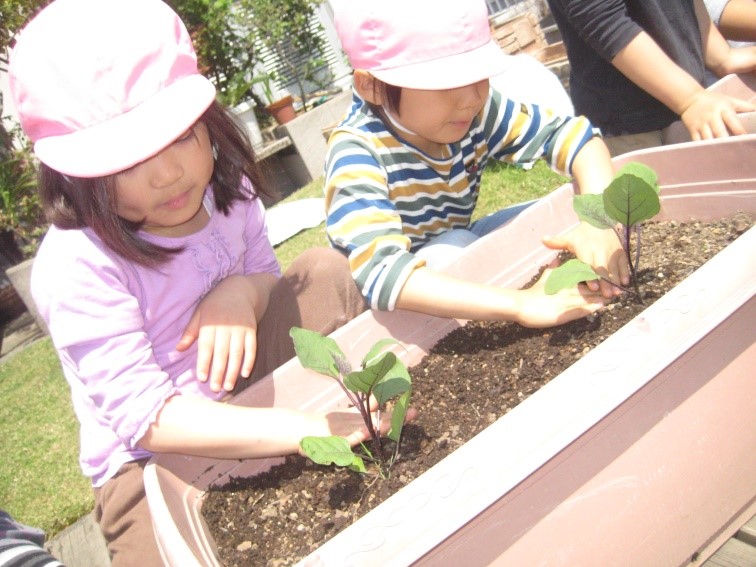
(631, 198)
(381, 376)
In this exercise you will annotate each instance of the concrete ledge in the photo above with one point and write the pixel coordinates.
(80, 545)
(306, 131)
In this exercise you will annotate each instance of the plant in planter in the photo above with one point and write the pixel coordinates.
(631, 198)
(287, 30)
(381, 375)
(617, 436)
(280, 108)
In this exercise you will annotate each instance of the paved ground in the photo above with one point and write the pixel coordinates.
(80, 545)
(17, 334)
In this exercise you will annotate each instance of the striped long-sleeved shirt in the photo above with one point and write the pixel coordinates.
(385, 198)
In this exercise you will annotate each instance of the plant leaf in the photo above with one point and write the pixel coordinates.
(569, 274)
(397, 417)
(333, 450)
(590, 208)
(386, 378)
(639, 170)
(376, 349)
(317, 352)
(633, 195)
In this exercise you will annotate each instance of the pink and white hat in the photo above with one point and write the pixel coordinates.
(420, 44)
(101, 85)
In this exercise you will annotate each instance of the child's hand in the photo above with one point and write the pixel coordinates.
(536, 309)
(712, 115)
(350, 425)
(599, 248)
(225, 328)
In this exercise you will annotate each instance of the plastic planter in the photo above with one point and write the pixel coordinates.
(640, 453)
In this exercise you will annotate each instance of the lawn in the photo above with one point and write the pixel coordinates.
(40, 480)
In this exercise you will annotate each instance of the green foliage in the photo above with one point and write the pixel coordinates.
(332, 450)
(569, 274)
(13, 16)
(633, 195)
(381, 375)
(20, 209)
(224, 39)
(631, 198)
(284, 28)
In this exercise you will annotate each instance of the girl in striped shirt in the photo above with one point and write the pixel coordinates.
(403, 168)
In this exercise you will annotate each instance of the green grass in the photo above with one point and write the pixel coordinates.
(41, 483)
(40, 480)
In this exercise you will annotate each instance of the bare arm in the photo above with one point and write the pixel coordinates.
(434, 293)
(738, 20)
(705, 114)
(720, 58)
(197, 426)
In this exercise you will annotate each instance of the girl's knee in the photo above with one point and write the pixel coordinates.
(324, 266)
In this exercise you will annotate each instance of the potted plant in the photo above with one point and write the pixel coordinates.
(632, 446)
(21, 222)
(286, 29)
(280, 108)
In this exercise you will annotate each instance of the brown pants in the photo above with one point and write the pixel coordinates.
(318, 293)
(619, 145)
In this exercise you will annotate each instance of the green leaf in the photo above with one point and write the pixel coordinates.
(590, 208)
(633, 195)
(376, 350)
(395, 381)
(397, 417)
(568, 275)
(639, 170)
(317, 352)
(386, 378)
(333, 450)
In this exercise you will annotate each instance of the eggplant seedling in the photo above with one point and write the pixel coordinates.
(631, 198)
(381, 376)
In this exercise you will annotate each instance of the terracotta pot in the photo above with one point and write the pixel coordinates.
(643, 449)
(282, 110)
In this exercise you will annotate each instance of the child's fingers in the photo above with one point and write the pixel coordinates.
(205, 347)
(190, 333)
(234, 361)
(558, 243)
(250, 354)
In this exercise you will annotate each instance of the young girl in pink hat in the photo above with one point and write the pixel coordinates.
(156, 278)
(403, 169)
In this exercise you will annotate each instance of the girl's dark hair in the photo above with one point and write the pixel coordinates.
(390, 93)
(75, 202)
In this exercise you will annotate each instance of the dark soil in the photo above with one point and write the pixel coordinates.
(472, 377)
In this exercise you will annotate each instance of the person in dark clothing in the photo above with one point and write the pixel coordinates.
(22, 545)
(639, 65)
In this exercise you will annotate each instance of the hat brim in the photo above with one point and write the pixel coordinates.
(129, 138)
(449, 72)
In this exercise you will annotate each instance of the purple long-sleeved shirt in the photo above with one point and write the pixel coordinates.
(115, 324)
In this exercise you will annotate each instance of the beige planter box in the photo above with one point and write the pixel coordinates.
(641, 452)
